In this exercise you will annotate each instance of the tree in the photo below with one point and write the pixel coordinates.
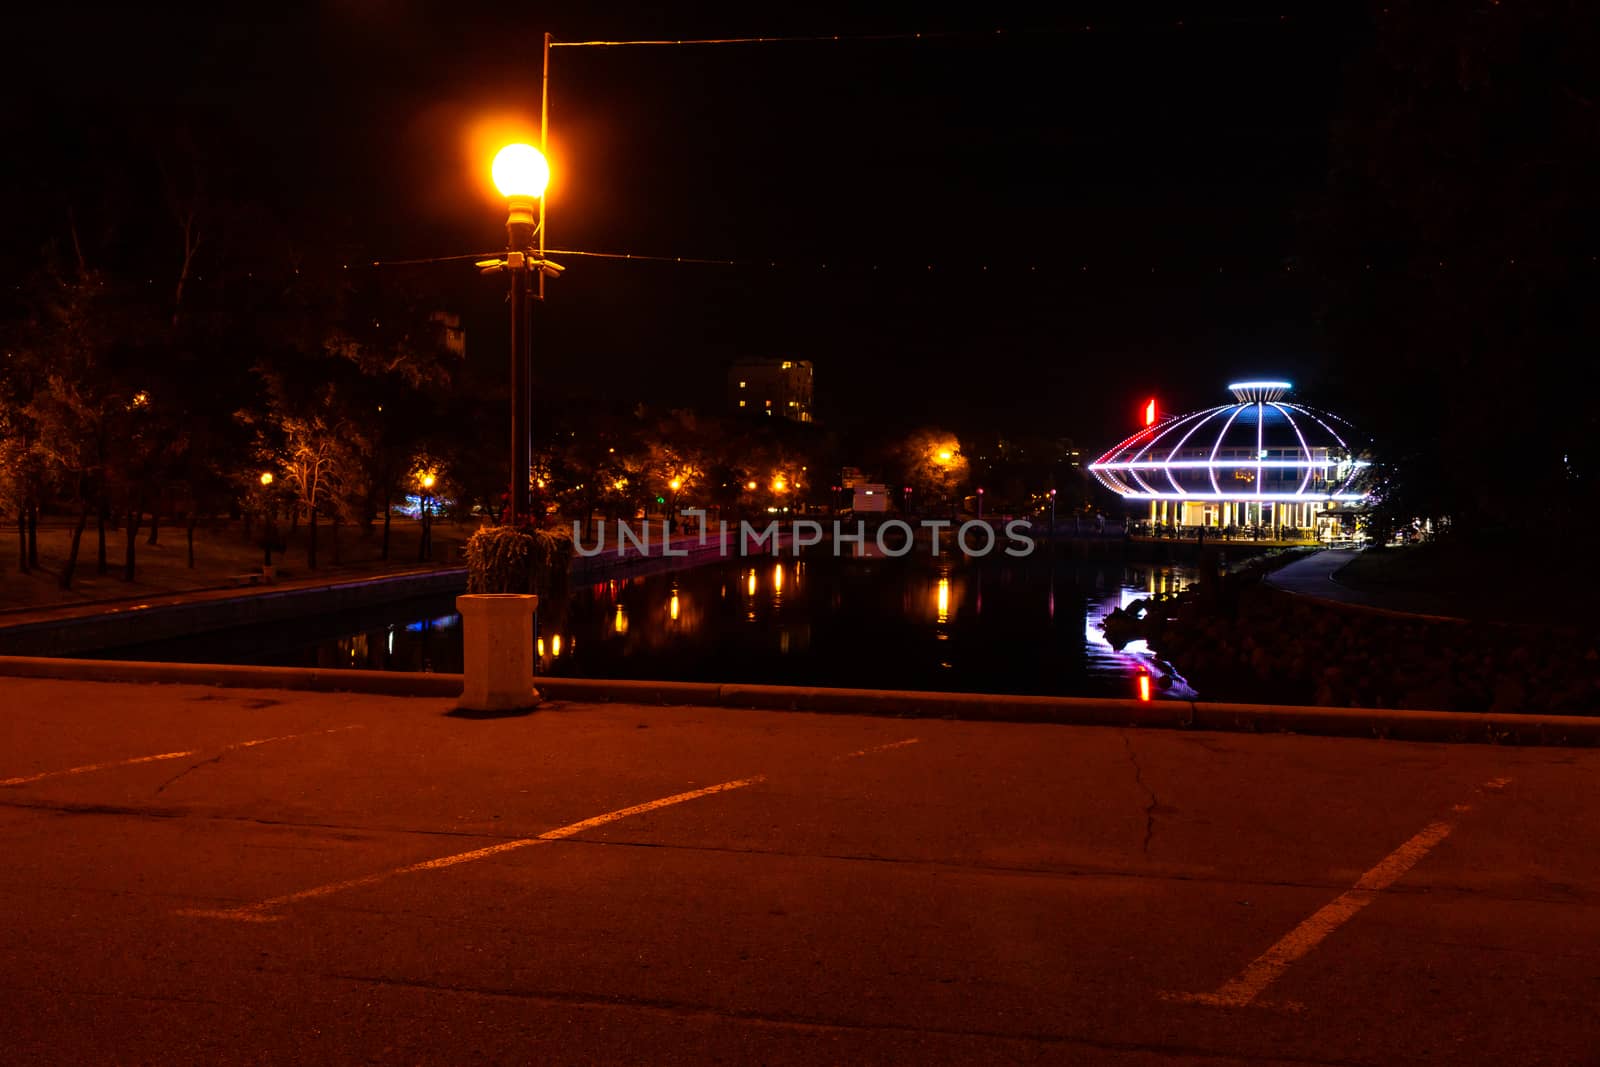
(21, 470)
(931, 462)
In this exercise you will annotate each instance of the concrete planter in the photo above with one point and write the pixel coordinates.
(497, 647)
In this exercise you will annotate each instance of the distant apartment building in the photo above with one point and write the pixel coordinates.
(450, 333)
(771, 388)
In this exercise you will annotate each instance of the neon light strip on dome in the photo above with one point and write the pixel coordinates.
(1179, 446)
(1217, 447)
(1261, 428)
(1113, 484)
(1355, 466)
(1167, 428)
(1302, 409)
(1303, 446)
(1249, 497)
(1222, 464)
(1261, 385)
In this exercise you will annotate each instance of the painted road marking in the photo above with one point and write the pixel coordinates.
(261, 911)
(94, 767)
(879, 748)
(1266, 968)
(162, 756)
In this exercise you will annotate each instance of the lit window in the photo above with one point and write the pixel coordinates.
(769, 403)
(787, 364)
(741, 403)
(794, 403)
(741, 385)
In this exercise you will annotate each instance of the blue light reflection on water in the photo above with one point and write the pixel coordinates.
(993, 625)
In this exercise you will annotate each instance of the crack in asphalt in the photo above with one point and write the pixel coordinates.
(214, 759)
(1150, 808)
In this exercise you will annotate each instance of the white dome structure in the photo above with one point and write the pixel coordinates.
(1259, 461)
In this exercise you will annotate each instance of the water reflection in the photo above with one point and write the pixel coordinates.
(1135, 656)
(1027, 626)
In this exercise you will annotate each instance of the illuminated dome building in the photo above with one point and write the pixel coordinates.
(1259, 461)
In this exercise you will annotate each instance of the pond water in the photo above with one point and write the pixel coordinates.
(980, 625)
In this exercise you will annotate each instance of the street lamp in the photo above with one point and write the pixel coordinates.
(266, 519)
(425, 545)
(980, 503)
(521, 173)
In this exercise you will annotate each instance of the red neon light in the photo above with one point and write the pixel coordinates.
(1150, 412)
(1144, 686)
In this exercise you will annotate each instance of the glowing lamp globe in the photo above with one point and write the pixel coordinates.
(520, 170)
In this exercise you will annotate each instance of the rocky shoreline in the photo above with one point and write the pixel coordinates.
(1236, 639)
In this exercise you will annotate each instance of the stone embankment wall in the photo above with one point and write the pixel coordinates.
(1242, 640)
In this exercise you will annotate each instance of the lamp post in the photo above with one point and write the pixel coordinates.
(266, 520)
(1052, 514)
(980, 503)
(672, 504)
(521, 173)
(425, 545)
(944, 457)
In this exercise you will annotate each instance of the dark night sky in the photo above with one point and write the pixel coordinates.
(1133, 146)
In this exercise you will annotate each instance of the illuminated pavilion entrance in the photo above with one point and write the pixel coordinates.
(1259, 462)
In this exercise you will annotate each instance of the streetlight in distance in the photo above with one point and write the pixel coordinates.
(980, 503)
(425, 545)
(521, 173)
(266, 520)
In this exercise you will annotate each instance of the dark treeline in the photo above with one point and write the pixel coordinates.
(1461, 237)
(173, 354)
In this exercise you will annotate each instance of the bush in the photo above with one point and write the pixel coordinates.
(502, 559)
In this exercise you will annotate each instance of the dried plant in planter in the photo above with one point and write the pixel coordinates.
(504, 559)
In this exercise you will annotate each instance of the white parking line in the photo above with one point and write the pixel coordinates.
(94, 767)
(163, 756)
(261, 911)
(1266, 968)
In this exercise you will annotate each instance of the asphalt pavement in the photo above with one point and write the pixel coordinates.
(197, 875)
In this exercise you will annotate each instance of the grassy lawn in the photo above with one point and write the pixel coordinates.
(220, 551)
(1472, 583)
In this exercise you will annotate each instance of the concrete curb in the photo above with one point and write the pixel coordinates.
(139, 623)
(1429, 726)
